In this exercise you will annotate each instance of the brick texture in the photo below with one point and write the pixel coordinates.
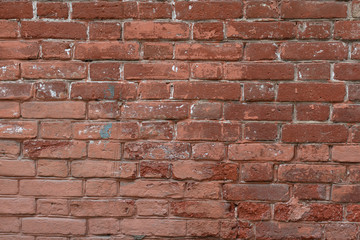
(177, 119)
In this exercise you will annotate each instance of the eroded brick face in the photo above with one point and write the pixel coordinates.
(176, 119)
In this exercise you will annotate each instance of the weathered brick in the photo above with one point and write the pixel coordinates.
(262, 192)
(261, 9)
(54, 70)
(104, 31)
(19, 50)
(105, 130)
(158, 51)
(155, 110)
(263, 152)
(10, 70)
(348, 153)
(346, 113)
(55, 110)
(57, 50)
(276, 230)
(346, 30)
(208, 51)
(102, 208)
(314, 30)
(19, 9)
(64, 188)
(17, 206)
(18, 129)
(156, 71)
(103, 91)
(54, 226)
(312, 112)
(208, 31)
(208, 151)
(104, 10)
(259, 71)
(56, 30)
(10, 29)
(152, 189)
(17, 168)
(9, 149)
(52, 207)
(106, 51)
(52, 10)
(261, 30)
(154, 10)
(157, 227)
(9, 110)
(52, 168)
(156, 30)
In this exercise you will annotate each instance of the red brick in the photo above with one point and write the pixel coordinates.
(51, 90)
(277, 230)
(105, 130)
(104, 150)
(258, 112)
(158, 51)
(156, 130)
(341, 231)
(206, 90)
(231, 229)
(18, 9)
(353, 213)
(262, 152)
(9, 149)
(254, 211)
(54, 149)
(152, 207)
(9, 224)
(107, 51)
(74, 110)
(200, 209)
(19, 50)
(56, 30)
(355, 47)
(261, 30)
(208, 51)
(313, 71)
(102, 208)
(311, 191)
(154, 10)
(54, 226)
(208, 31)
(155, 110)
(262, 192)
(311, 173)
(355, 8)
(311, 92)
(154, 90)
(317, 212)
(101, 169)
(260, 131)
(354, 174)
(207, 71)
(103, 91)
(52, 10)
(18, 129)
(355, 134)
(259, 92)
(347, 71)
(103, 226)
(156, 71)
(312, 112)
(313, 153)
(210, 131)
(102, 71)
(16, 237)
(17, 168)
(104, 31)
(261, 9)
(313, 9)
(346, 113)
(10, 29)
(52, 168)
(17, 206)
(314, 30)
(156, 227)
(200, 171)
(317, 133)
(345, 153)
(10, 70)
(103, 110)
(104, 10)
(260, 51)
(55, 130)
(313, 51)
(16, 91)
(64, 188)
(345, 193)
(257, 172)
(154, 169)
(346, 30)
(54, 70)
(259, 71)
(208, 151)
(56, 50)
(203, 190)
(206, 110)
(101, 188)
(9, 110)
(208, 10)
(152, 189)
(203, 228)
(8, 187)
(156, 150)
(148, 30)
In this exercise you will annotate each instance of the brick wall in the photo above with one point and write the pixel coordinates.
(179, 120)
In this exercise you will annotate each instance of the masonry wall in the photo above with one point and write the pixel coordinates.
(179, 120)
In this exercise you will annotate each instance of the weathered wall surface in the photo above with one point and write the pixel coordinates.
(179, 120)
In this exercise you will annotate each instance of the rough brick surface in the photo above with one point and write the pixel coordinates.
(179, 119)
